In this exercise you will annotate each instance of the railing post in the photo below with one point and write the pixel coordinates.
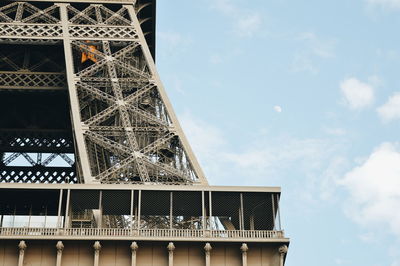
(97, 248)
(22, 247)
(207, 249)
(134, 248)
(60, 248)
(171, 249)
(282, 252)
(244, 248)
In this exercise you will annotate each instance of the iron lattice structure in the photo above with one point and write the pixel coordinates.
(83, 79)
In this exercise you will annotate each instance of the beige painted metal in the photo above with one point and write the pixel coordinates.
(207, 251)
(60, 248)
(22, 247)
(175, 121)
(73, 96)
(97, 248)
(134, 247)
(141, 187)
(171, 249)
(282, 252)
(153, 253)
(244, 248)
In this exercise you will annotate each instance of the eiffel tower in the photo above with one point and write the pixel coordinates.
(94, 166)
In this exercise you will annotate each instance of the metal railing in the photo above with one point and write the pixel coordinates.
(150, 233)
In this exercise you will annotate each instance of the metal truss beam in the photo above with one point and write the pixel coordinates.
(124, 126)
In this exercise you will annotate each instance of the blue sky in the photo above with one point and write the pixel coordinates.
(299, 94)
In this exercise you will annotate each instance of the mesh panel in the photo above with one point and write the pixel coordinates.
(116, 209)
(155, 209)
(85, 210)
(258, 213)
(187, 213)
(225, 211)
(29, 208)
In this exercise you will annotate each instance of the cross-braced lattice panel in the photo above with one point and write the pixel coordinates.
(129, 129)
(258, 211)
(116, 209)
(84, 209)
(226, 211)
(22, 174)
(25, 12)
(187, 210)
(29, 20)
(93, 14)
(155, 210)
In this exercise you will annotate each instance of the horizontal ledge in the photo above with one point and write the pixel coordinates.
(144, 234)
(124, 2)
(133, 238)
(141, 187)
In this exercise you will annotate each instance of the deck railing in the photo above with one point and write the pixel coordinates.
(150, 233)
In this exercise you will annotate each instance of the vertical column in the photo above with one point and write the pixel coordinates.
(171, 249)
(59, 209)
(203, 212)
(241, 218)
(60, 248)
(171, 206)
(282, 252)
(210, 209)
(278, 212)
(139, 209)
(134, 248)
(273, 212)
(131, 210)
(67, 207)
(207, 249)
(100, 220)
(73, 97)
(97, 248)
(244, 248)
(22, 247)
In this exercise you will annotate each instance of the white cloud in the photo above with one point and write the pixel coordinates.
(266, 160)
(246, 23)
(303, 62)
(173, 42)
(388, 4)
(319, 47)
(278, 109)
(374, 190)
(335, 131)
(391, 109)
(357, 94)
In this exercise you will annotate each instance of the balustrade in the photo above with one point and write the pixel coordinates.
(150, 233)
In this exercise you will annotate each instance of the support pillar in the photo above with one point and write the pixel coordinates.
(207, 249)
(97, 248)
(282, 252)
(134, 248)
(171, 249)
(22, 246)
(244, 248)
(60, 248)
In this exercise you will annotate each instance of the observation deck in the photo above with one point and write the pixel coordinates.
(140, 212)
